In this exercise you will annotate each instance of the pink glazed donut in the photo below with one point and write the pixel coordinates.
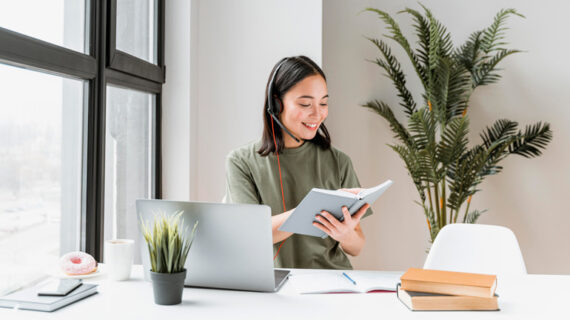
(77, 263)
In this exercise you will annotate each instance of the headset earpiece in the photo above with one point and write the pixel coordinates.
(277, 105)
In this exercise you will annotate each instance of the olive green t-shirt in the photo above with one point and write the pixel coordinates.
(254, 179)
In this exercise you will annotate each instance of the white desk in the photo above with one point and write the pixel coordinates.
(528, 297)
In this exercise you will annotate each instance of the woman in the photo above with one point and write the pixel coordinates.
(297, 97)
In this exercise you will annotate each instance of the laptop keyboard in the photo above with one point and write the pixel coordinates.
(280, 275)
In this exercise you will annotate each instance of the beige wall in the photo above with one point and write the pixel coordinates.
(529, 196)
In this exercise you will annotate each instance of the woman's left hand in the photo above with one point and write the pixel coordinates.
(344, 231)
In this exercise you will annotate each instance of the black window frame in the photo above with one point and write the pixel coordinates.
(103, 64)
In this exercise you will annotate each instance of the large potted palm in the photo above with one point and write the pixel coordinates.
(434, 146)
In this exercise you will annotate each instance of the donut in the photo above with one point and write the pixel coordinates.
(77, 263)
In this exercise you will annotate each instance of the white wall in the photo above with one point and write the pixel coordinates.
(218, 57)
(176, 99)
(529, 196)
(238, 43)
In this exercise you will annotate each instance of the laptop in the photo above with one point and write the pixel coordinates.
(232, 248)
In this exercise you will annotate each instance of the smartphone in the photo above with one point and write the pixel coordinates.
(59, 287)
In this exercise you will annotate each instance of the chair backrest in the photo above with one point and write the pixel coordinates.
(476, 248)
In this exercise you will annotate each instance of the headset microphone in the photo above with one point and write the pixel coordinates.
(283, 127)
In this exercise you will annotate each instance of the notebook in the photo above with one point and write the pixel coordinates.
(28, 299)
(336, 282)
(301, 220)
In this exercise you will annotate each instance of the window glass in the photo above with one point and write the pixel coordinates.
(137, 29)
(129, 164)
(41, 121)
(61, 22)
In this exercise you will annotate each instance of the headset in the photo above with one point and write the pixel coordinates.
(272, 103)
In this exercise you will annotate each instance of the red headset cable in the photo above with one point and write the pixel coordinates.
(280, 182)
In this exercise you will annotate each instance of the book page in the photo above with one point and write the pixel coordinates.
(322, 283)
(339, 193)
(371, 280)
(362, 194)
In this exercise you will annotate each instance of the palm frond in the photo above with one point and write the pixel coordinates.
(385, 112)
(530, 142)
(472, 216)
(440, 44)
(394, 71)
(421, 24)
(423, 128)
(398, 36)
(482, 73)
(453, 141)
(495, 33)
(413, 165)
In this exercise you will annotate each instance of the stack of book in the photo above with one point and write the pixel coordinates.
(436, 290)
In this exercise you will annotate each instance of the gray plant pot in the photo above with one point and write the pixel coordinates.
(168, 287)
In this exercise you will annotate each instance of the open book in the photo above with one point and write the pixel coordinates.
(336, 282)
(301, 220)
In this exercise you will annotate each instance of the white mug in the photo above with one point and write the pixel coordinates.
(118, 258)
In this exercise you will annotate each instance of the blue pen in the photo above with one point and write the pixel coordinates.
(349, 278)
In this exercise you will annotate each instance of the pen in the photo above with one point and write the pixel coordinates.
(349, 278)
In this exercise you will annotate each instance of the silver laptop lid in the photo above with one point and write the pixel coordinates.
(232, 248)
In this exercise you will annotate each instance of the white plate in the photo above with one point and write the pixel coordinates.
(56, 272)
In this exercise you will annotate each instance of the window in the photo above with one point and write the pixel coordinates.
(80, 127)
(40, 172)
(129, 144)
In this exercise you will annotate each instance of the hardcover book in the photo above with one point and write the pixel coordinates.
(317, 200)
(424, 301)
(449, 282)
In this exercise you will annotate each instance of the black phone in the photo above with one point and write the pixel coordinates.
(59, 287)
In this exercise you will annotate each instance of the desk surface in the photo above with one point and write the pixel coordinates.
(527, 297)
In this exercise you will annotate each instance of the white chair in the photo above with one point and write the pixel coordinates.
(476, 248)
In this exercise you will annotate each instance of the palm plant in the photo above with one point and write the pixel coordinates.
(434, 145)
(168, 247)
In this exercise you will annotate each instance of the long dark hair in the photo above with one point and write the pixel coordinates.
(291, 71)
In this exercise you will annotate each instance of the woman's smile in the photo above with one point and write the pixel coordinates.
(311, 125)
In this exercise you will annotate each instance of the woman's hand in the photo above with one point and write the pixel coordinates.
(347, 232)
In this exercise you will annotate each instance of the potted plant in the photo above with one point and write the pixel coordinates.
(434, 145)
(168, 249)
